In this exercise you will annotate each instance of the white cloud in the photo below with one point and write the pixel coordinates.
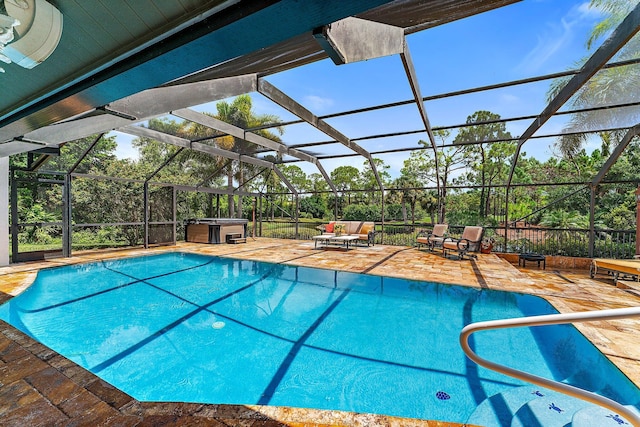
(587, 12)
(317, 104)
(509, 98)
(556, 37)
(549, 42)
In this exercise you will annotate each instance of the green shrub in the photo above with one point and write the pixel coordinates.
(362, 213)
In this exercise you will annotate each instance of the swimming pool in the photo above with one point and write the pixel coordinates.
(192, 328)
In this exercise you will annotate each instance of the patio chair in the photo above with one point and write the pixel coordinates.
(433, 239)
(469, 242)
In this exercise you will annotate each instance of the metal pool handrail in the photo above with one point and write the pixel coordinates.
(552, 319)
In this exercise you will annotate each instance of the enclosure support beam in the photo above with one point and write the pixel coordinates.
(417, 95)
(146, 215)
(382, 232)
(260, 215)
(14, 216)
(327, 178)
(235, 131)
(297, 213)
(66, 216)
(4, 213)
(174, 218)
(592, 214)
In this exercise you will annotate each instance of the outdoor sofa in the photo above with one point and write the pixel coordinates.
(363, 230)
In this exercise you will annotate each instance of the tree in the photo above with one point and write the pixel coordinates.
(406, 190)
(368, 179)
(488, 163)
(429, 203)
(421, 166)
(296, 177)
(317, 183)
(345, 179)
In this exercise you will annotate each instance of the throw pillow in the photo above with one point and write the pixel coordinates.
(365, 229)
(329, 227)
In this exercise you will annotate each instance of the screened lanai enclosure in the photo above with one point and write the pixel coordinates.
(257, 110)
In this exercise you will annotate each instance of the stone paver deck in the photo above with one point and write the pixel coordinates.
(39, 387)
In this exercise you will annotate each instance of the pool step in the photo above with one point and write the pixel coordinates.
(598, 416)
(234, 238)
(552, 410)
(499, 409)
(528, 406)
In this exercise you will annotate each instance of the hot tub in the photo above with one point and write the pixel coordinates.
(216, 230)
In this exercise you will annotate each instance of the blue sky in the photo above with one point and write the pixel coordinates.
(526, 39)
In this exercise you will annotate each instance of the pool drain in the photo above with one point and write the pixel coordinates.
(218, 325)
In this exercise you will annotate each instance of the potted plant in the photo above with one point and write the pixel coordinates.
(486, 245)
(338, 229)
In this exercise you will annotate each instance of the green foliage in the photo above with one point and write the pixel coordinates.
(393, 212)
(619, 218)
(315, 206)
(362, 213)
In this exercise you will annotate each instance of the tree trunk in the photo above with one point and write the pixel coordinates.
(481, 209)
(412, 205)
(443, 202)
(230, 198)
(404, 211)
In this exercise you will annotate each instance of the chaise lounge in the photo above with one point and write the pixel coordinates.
(470, 241)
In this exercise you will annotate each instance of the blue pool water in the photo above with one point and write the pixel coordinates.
(184, 327)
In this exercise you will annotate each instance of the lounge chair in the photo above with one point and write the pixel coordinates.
(434, 239)
(469, 242)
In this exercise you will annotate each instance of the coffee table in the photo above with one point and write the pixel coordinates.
(328, 240)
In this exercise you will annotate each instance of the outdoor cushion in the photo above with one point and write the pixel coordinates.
(365, 229)
(329, 227)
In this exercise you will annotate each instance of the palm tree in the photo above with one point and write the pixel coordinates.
(238, 112)
(406, 191)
